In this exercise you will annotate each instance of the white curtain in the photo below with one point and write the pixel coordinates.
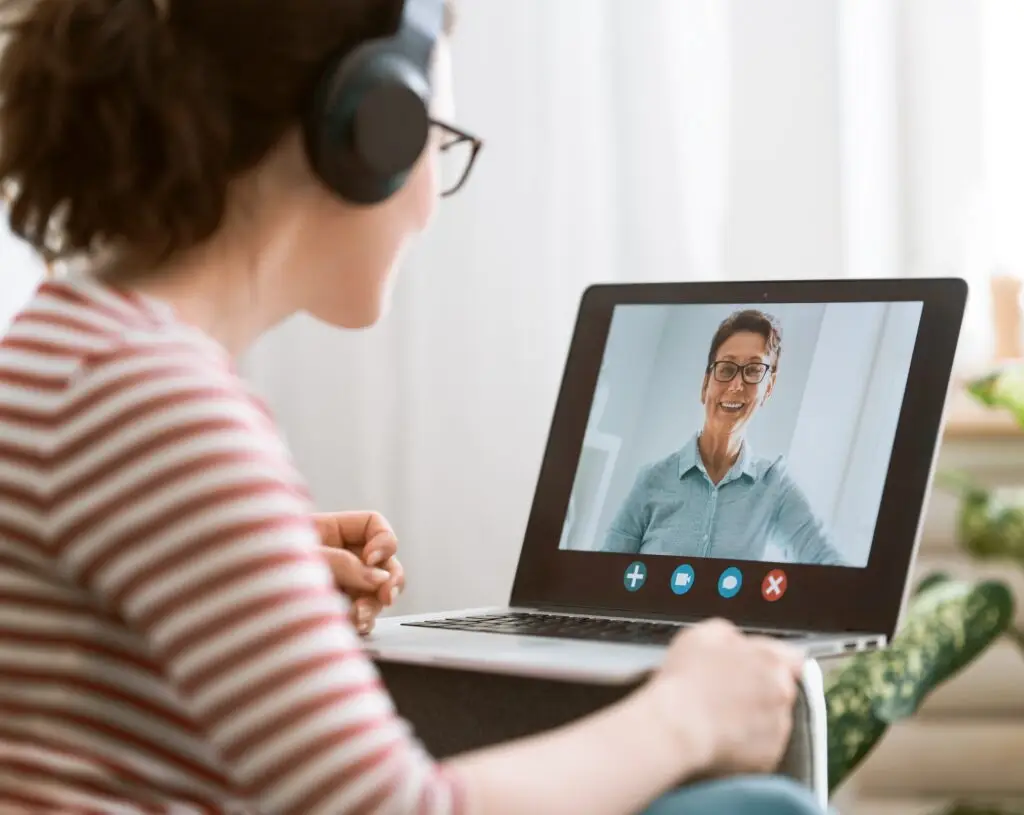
(662, 140)
(655, 140)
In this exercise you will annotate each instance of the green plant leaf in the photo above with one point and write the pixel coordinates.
(956, 481)
(1001, 388)
(948, 625)
(932, 580)
(951, 625)
(966, 808)
(990, 525)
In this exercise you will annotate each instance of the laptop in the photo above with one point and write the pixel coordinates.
(755, 451)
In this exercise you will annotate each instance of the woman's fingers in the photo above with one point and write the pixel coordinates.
(380, 548)
(354, 529)
(364, 614)
(389, 591)
(353, 576)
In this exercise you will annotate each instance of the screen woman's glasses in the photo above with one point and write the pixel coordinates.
(458, 151)
(753, 372)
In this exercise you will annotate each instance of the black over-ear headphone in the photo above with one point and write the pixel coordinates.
(369, 121)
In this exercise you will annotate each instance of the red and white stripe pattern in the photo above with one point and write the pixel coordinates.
(170, 639)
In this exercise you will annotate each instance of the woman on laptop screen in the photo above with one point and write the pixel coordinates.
(178, 631)
(715, 497)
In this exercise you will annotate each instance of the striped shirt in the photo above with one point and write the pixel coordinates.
(170, 638)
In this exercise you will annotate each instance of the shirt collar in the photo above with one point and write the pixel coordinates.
(689, 457)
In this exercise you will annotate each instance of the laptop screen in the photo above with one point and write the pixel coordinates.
(762, 459)
(742, 433)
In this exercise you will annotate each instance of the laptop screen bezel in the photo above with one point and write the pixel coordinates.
(825, 599)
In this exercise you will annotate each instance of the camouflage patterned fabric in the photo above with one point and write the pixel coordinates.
(947, 625)
(982, 809)
(990, 524)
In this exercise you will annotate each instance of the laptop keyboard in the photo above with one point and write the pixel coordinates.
(561, 627)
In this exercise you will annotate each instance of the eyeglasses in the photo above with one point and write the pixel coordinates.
(725, 371)
(458, 152)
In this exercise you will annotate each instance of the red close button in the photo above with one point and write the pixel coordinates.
(774, 585)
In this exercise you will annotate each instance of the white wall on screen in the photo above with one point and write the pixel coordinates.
(869, 456)
(625, 371)
(834, 399)
(833, 412)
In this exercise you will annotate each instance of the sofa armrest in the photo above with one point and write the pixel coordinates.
(806, 757)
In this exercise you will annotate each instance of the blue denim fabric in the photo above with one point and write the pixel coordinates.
(745, 795)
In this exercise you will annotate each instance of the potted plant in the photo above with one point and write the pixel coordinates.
(949, 623)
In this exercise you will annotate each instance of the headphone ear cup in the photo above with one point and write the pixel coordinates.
(368, 123)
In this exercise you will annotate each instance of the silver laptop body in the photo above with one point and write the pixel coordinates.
(626, 544)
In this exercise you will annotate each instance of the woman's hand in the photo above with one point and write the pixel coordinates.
(721, 705)
(739, 693)
(361, 549)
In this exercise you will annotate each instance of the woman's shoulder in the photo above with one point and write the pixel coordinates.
(771, 469)
(71, 329)
(149, 409)
(666, 468)
(162, 382)
(106, 375)
(65, 365)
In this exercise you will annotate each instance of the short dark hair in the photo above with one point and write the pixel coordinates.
(122, 128)
(754, 321)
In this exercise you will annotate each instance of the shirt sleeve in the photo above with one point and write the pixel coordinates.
(626, 531)
(801, 531)
(182, 513)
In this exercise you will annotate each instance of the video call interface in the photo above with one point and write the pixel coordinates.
(743, 432)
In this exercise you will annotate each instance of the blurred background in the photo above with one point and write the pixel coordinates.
(661, 140)
(670, 140)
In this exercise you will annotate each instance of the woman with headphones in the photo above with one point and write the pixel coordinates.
(178, 631)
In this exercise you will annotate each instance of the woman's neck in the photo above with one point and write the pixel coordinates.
(214, 290)
(718, 452)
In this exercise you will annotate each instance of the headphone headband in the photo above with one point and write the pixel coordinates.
(420, 28)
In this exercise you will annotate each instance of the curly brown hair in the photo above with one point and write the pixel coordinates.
(122, 127)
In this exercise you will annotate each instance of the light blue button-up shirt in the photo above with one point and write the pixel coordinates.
(675, 509)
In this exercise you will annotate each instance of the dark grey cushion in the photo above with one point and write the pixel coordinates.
(455, 711)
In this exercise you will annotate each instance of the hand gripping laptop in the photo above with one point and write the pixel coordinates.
(760, 452)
